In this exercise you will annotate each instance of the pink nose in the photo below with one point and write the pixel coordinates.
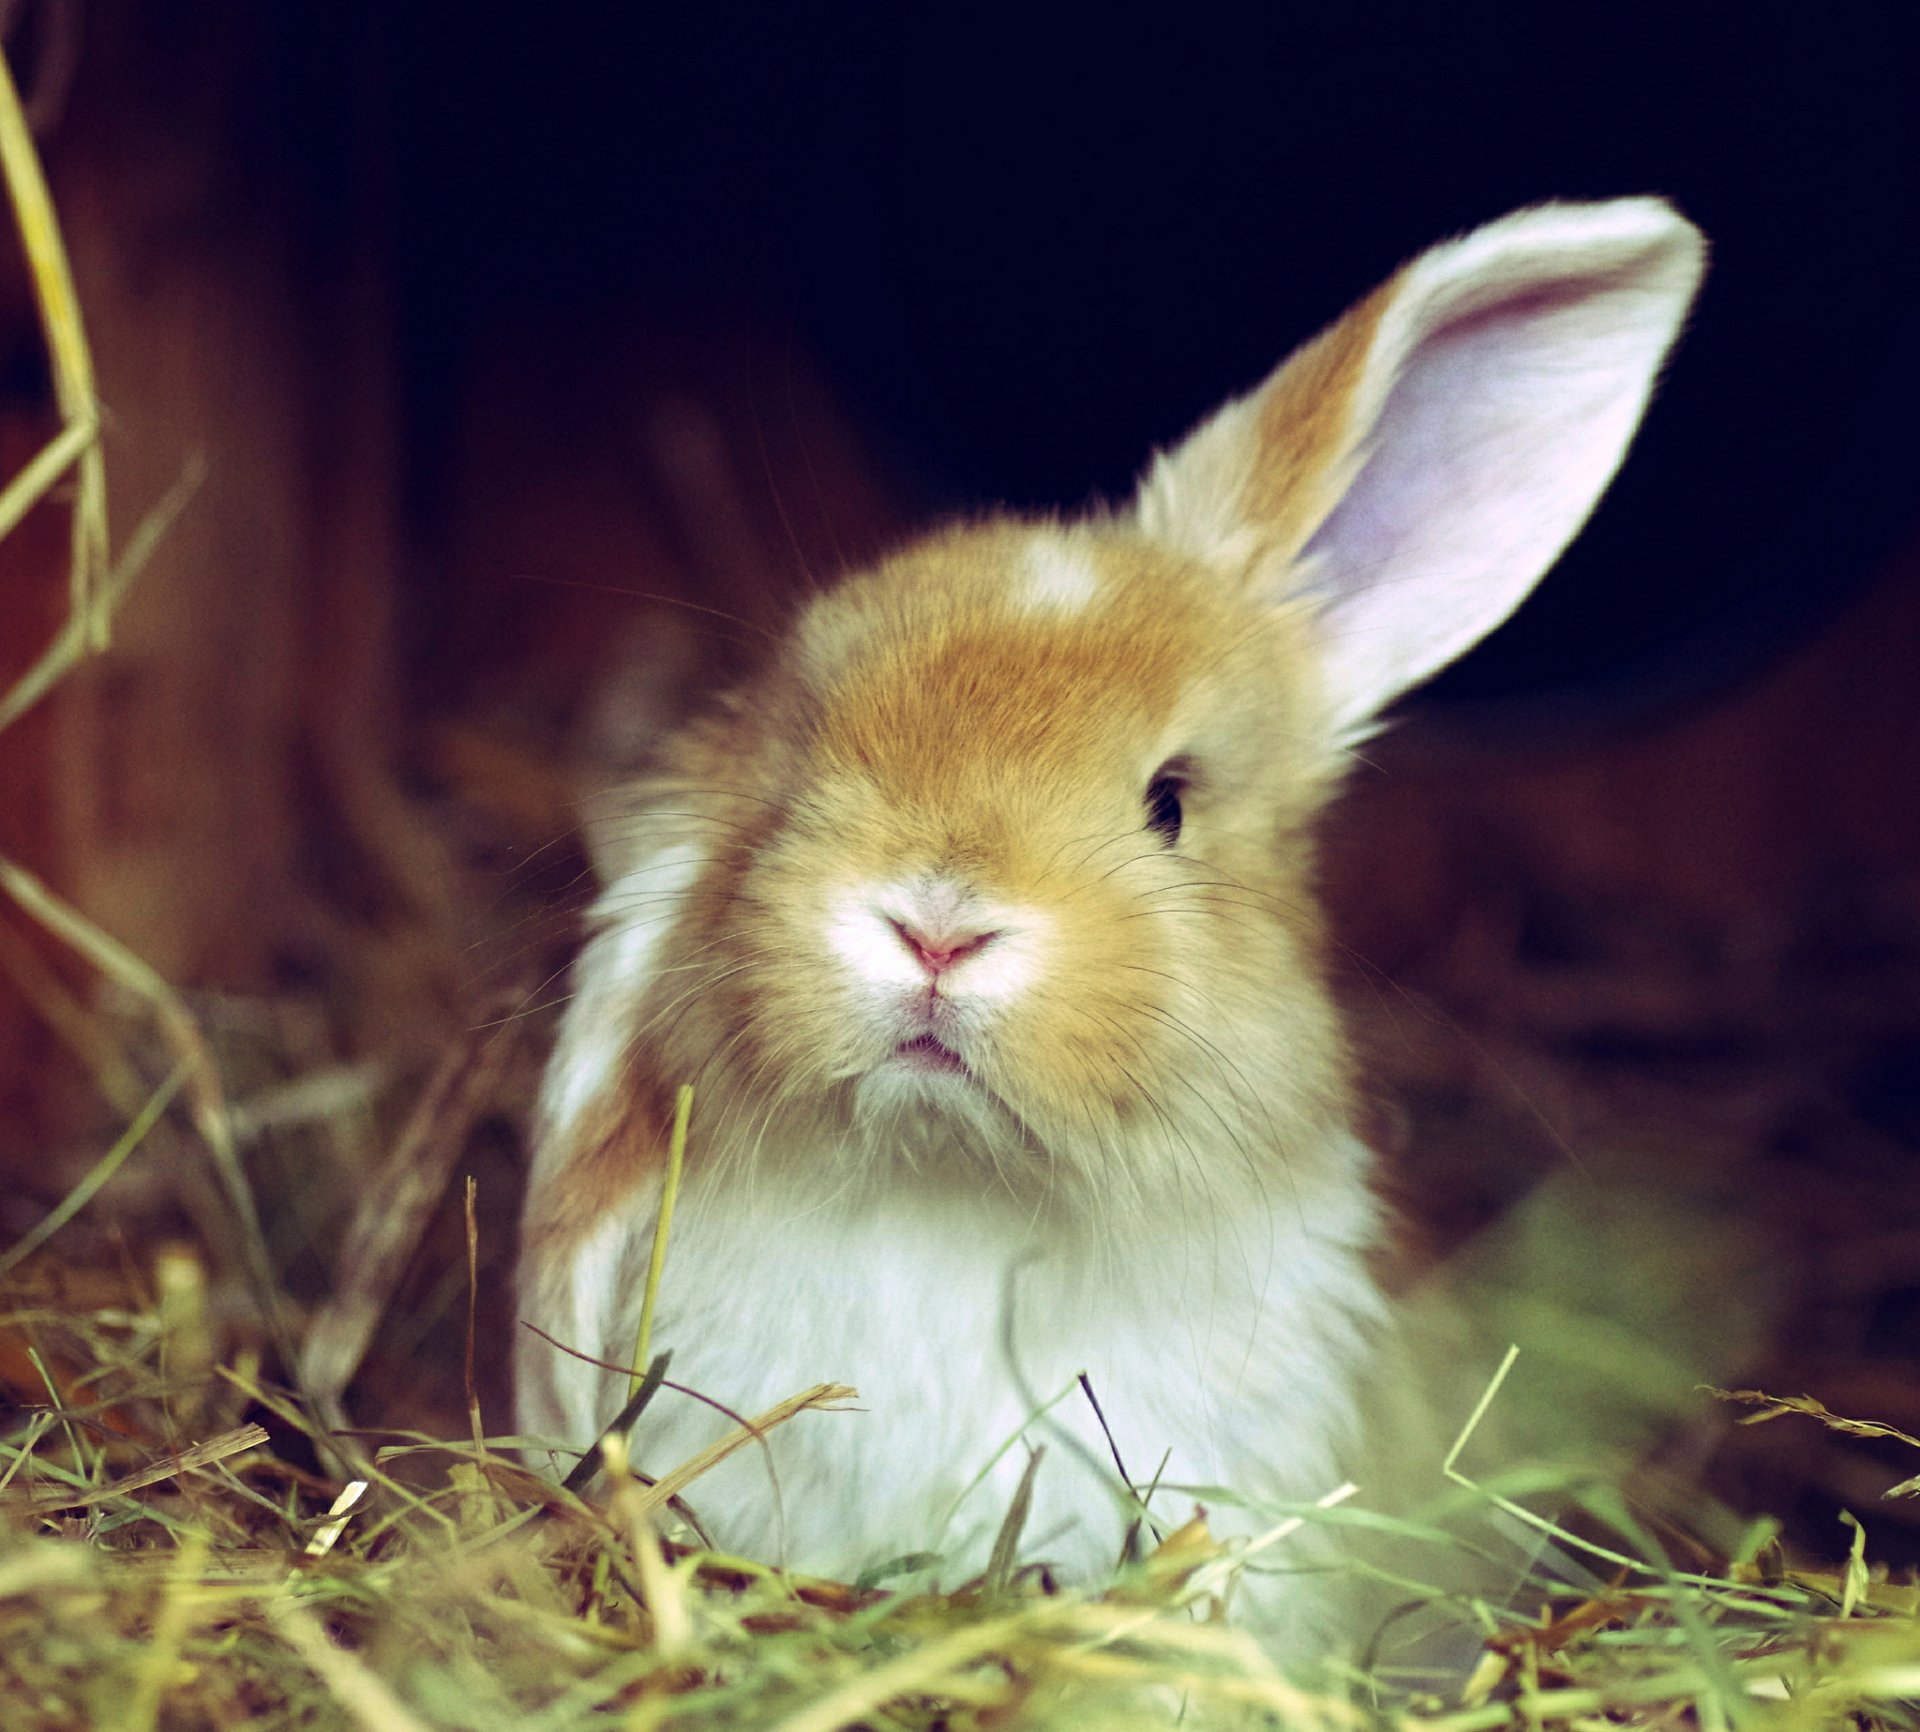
(937, 949)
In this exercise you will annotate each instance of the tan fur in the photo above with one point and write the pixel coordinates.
(611, 1157)
(1309, 434)
(957, 730)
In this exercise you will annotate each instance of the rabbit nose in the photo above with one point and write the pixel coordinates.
(937, 947)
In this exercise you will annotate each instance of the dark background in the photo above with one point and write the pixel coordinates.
(1029, 248)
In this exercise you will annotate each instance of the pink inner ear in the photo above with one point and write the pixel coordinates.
(1497, 436)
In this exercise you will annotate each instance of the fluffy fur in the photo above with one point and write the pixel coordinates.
(997, 1082)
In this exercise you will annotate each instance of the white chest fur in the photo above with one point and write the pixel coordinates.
(1223, 1351)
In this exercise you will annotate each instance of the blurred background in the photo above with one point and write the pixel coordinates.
(494, 336)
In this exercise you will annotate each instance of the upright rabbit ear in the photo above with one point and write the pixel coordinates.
(1420, 464)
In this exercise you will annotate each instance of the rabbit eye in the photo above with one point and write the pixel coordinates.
(1163, 801)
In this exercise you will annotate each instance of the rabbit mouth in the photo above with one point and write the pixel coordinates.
(930, 1055)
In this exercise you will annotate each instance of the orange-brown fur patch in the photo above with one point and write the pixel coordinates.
(612, 1154)
(1307, 431)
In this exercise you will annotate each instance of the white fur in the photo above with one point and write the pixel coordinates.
(1005, 969)
(610, 979)
(1504, 381)
(1057, 576)
(860, 933)
(1224, 1346)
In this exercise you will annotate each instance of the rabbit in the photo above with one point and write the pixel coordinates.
(983, 923)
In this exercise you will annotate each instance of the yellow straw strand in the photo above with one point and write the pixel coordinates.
(657, 1260)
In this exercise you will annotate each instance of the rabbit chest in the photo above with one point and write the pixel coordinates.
(1220, 1349)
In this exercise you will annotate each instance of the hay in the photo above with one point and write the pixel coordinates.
(448, 1587)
